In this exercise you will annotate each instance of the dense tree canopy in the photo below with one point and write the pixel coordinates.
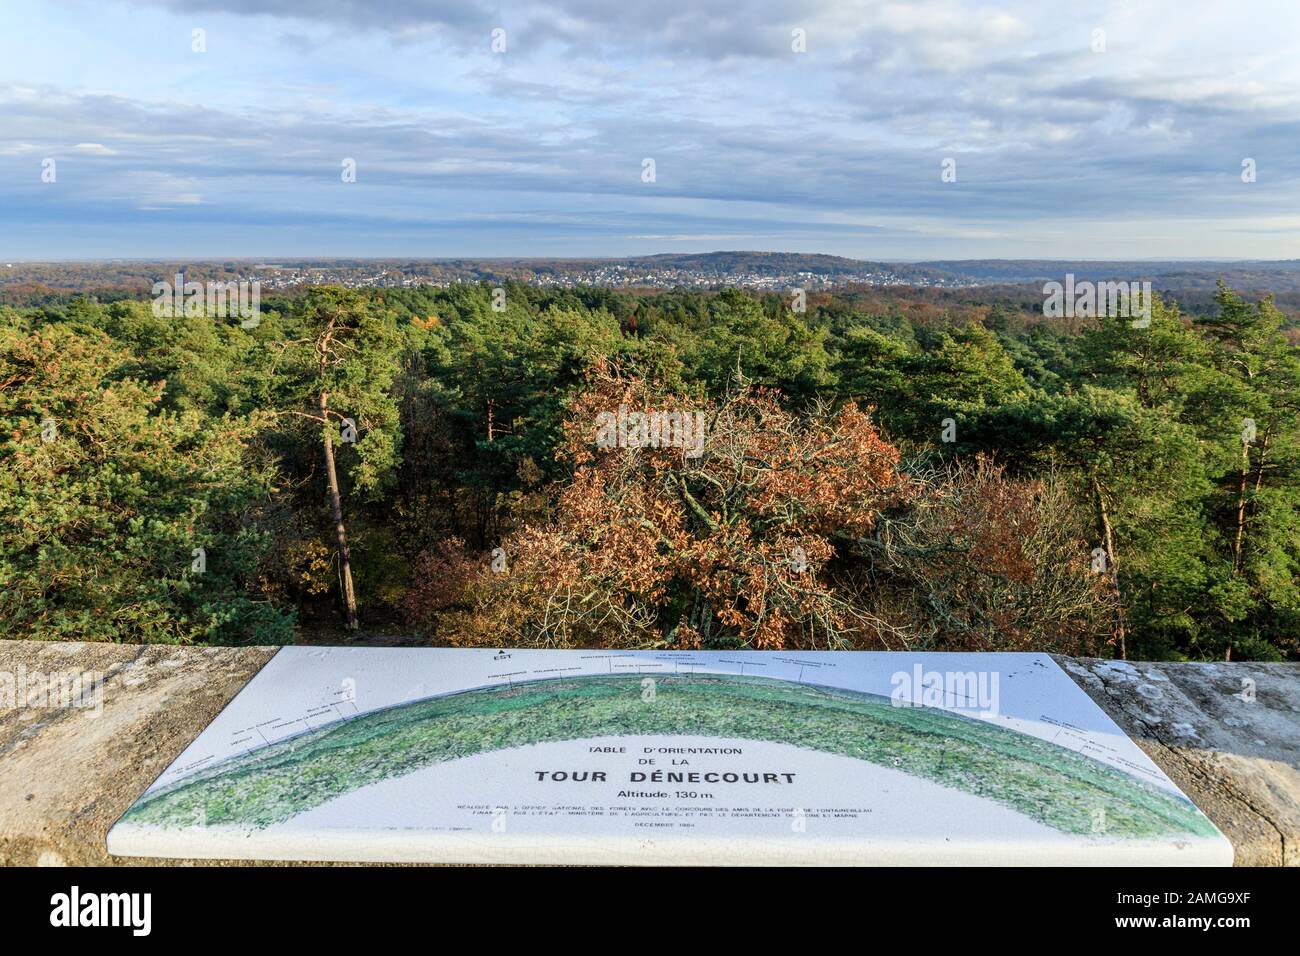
(872, 476)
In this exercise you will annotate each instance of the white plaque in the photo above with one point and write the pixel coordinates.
(533, 756)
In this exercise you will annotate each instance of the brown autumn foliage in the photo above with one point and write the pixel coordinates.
(983, 562)
(787, 531)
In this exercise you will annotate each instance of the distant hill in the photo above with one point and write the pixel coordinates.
(1182, 274)
(1188, 281)
(779, 263)
(771, 264)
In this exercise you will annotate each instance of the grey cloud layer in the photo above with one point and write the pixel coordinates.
(747, 136)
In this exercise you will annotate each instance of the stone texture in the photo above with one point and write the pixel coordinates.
(65, 777)
(1227, 734)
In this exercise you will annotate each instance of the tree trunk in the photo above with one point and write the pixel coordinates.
(1259, 462)
(1240, 535)
(340, 533)
(1112, 566)
(1239, 542)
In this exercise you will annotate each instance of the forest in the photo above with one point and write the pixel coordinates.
(874, 473)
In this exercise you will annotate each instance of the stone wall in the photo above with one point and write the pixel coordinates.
(66, 776)
(1227, 734)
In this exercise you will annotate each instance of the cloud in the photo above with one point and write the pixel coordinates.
(750, 138)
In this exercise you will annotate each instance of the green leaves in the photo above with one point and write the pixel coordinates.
(778, 350)
(963, 372)
(348, 350)
(104, 517)
(168, 435)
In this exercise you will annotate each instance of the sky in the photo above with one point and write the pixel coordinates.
(1080, 130)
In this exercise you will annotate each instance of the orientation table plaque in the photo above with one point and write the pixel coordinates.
(593, 756)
